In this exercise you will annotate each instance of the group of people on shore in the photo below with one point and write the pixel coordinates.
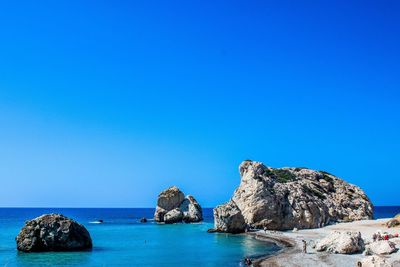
(385, 236)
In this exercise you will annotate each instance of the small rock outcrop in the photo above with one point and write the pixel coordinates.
(174, 207)
(341, 243)
(395, 222)
(53, 232)
(288, 198)
(382, 247)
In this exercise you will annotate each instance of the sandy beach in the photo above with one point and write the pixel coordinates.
(291, 243)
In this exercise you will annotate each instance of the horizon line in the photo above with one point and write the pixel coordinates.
(20, 207)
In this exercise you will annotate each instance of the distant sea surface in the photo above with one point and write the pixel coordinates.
(123, 241)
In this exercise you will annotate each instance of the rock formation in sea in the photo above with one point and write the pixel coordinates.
(288, 198)
(53, 232)
(173, 207)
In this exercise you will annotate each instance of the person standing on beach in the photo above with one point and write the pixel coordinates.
(304, 246)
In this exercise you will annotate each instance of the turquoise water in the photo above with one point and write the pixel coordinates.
(123, 241)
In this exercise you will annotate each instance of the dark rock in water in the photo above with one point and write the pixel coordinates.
(288, 198)
(212, 230)
(173, 207)
(143, 220)
(53, 232)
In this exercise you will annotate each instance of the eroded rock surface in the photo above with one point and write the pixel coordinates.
(53, 232)
(288, 198)
(174, 207)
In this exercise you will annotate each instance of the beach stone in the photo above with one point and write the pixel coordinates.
(53, 232)
(374, 261)
(341, 243)
(288, 198)
(173, 216)
(173, 207)
(383, 247)
(228, 218)
(393, 222)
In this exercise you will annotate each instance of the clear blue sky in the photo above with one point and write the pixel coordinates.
(105, 103)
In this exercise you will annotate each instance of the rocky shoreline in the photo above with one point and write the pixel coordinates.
(291, 253)
(286, 245)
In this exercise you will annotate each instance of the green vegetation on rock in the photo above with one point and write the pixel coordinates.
(327, 176)
(314, 192)
(283, 176)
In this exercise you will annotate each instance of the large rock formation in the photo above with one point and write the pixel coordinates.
(173, 207)
(341, 242)
(53, 232)
(287, 198)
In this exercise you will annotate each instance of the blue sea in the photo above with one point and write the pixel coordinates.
(123, 241)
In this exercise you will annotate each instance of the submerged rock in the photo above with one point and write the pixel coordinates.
(341, 242)
(173, 207)
(53, 232)
(143, 220)
(288, 198)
